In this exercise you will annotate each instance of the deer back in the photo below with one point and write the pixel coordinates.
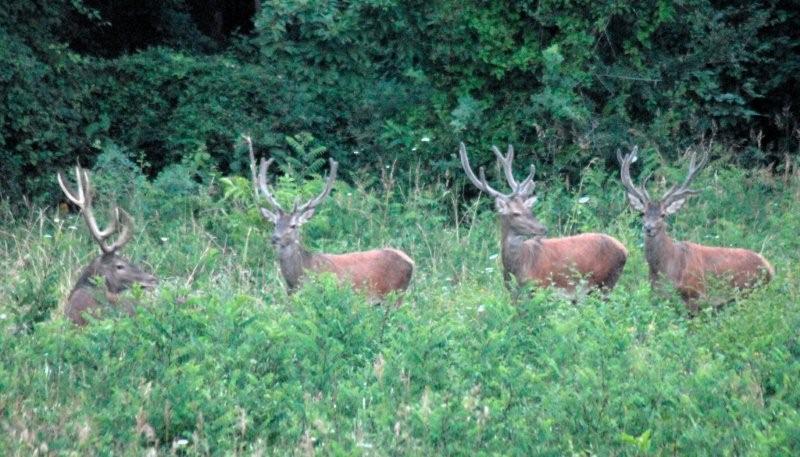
(377, 272)
(563, 262)
(739, 268)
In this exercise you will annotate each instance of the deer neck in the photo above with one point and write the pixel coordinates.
(294, 260)
(662, 253)
(514, 251)
(86, 279)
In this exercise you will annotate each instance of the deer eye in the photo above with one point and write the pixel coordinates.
(120, 267)
(293, 226)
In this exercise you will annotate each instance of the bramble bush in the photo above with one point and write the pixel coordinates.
(220, 361)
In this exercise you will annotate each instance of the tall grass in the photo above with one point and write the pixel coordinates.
(220, 361)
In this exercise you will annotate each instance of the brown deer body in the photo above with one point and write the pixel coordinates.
(376, 272)
(688, 266)
(528, 256)
(116, 272)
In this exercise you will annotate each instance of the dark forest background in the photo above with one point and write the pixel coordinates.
(372, 82)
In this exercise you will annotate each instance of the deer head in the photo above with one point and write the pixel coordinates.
(118, 272)
(514, 208)
(287, 223)
(656, 211)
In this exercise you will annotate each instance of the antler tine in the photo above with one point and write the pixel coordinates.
(481, 183)
(506, 162)
(683, 190)
(88, 212)
(125, 219)
(262, 184)
(625, 174)
(77, 200)
(83, 200)
(311, 204)
(528, 184)
(522, 189)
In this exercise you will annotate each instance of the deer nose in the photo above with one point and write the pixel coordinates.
(275, 239)
(149, 281)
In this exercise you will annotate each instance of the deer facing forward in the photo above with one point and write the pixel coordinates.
(376, 272)
(528, 256)
(117, 273)
(687, 266)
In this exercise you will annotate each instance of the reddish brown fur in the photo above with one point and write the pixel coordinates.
(562, 262)
(689, 266)
(377, 272)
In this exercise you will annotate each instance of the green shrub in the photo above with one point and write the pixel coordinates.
(220, 360)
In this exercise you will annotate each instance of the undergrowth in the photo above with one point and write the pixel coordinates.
(220, 361)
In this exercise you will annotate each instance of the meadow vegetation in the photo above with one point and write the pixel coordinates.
(220, 361)
(154, 96)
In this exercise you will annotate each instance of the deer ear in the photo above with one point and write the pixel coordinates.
(530, 202)
(502, 205)
(269, 215)
(636, 204)
(673, 207)
(305, 216)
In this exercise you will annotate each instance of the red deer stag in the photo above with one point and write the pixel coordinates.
(377, 272)
(528, 256)
(688, 266)
(117, 272)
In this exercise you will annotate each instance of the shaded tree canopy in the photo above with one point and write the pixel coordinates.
(565, 81)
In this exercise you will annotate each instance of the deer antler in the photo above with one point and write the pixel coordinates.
(311, 204)
(83, 199)
(527, 186)
(625, 175)
(523, 189)
(479, 183)
(682, 191)
(264, 187)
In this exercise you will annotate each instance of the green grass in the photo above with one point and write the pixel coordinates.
(220, 361)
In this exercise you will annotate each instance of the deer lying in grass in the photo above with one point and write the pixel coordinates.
(118, 273)
(528, 256)
(687, 266)
(377, 272)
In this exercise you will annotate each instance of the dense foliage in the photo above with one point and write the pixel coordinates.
(154, 97)
(571, 81)
(220, 361)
